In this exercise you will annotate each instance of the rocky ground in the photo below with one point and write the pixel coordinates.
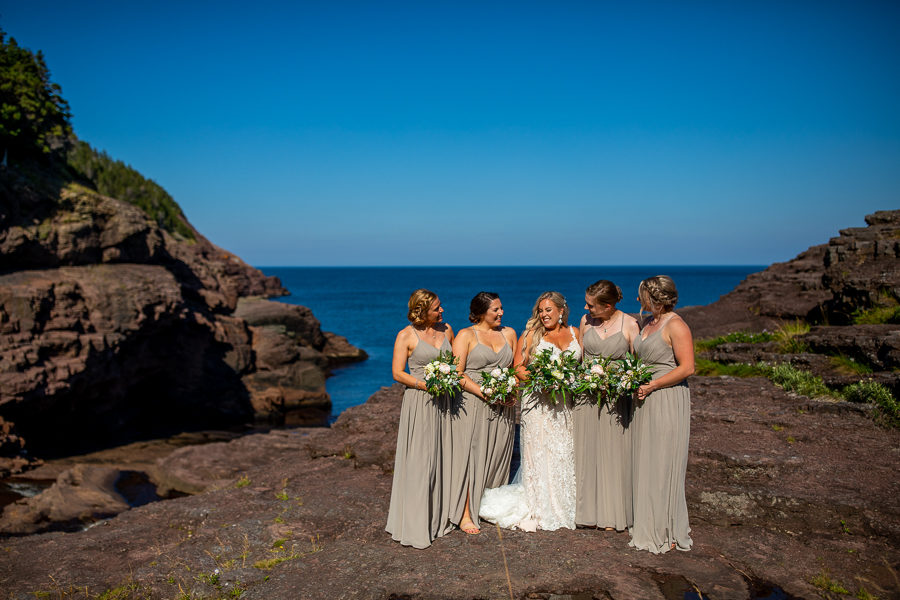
(783, 492)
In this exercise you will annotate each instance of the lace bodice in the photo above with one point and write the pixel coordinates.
(545, 498)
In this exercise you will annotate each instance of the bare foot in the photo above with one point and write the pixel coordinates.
(469, 527)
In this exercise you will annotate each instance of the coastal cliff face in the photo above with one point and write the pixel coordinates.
(826, 284)
(114, 329)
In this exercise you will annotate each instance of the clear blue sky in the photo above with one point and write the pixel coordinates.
(385, 133)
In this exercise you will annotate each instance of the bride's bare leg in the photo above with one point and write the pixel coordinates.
(466, 523)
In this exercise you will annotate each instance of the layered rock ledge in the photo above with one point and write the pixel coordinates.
(112, 329)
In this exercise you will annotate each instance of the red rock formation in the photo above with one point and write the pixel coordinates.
(113, 329)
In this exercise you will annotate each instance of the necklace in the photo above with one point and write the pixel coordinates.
(606, 323)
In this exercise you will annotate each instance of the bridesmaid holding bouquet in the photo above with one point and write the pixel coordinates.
(602, 432)
(419, 511)
(481, 428)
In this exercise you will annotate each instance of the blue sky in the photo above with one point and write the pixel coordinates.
(521, 133)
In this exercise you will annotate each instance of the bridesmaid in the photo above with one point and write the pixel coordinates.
(662, 421)
(419, 512)
(481, 434)
(602, 433)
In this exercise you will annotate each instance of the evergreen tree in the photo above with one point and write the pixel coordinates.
(34, 117)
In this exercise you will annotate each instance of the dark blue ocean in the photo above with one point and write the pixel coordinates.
(367, 305)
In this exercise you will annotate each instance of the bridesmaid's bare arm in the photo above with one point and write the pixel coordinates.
(630, 330)
(519, 360)
(403, 347)
(461, 346)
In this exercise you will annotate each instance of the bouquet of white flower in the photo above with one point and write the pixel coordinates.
(553, 374)
(628, 375)
(441, 376)
(594, 379)
(499, 386)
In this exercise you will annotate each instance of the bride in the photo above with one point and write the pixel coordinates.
(545, 497)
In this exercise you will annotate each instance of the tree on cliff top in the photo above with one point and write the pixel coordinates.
(35, 124)
(34, 117)
(116, 179)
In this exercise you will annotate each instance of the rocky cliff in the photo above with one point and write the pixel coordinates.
(826, 284)
(114, 329)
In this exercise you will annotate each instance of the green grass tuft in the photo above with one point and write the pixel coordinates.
(847, 365)
(824, 582)
(711, 368)
(786, 336)
(741, 337)
(872, 392)
(801, 382)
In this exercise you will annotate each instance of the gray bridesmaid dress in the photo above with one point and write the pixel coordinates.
(419, 512)
(660, 431)
(481, 437)
(603, 448)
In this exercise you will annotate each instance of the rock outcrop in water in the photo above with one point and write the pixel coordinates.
(114, 329)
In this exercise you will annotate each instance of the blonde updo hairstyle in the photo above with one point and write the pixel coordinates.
(658, 292)
(604, 292)
(419, 303)
(536, 326)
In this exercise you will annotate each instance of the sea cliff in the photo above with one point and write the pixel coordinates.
(789, 496)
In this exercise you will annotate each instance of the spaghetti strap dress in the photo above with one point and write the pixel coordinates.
(660, 432)
(603, 447)
(418, 512)
(482, 437)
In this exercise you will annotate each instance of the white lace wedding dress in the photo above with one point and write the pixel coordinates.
(542, 495)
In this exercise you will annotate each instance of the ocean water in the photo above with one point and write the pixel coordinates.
(368, 305)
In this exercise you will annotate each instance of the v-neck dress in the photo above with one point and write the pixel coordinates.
(660, 432)
(603, 448)
(419, 512)
(481, 437)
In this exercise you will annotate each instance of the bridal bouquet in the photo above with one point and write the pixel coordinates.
(441, 376)
(498, 385)
(594, 379)
(553, 374)
(629, 374)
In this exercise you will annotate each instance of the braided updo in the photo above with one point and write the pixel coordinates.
(658, 291)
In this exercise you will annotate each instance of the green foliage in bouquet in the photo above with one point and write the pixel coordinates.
(628, 374)
(555, 375)
(498, 386)
(594, 379)
(441, 376)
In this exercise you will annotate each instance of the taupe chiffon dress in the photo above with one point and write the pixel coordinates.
(660, 431)
(603, 448)
(419, 511)
(481, 437)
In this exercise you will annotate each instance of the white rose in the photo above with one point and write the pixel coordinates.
(496, 373)
(597, 369)
(593, 386)
(557, 374)
(444, 368)
(511, 381)
(555, 359)
(487, 391)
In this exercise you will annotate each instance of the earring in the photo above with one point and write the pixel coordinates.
(560, 320)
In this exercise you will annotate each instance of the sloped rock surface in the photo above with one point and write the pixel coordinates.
(776, 496)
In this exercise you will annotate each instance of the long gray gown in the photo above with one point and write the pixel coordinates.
(660, 432)
(481, 437)
(603, 448)
(419, 511)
